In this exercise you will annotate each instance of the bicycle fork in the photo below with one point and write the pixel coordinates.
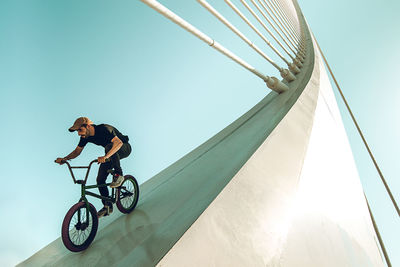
(83, 198)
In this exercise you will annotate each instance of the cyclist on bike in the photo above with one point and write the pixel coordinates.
(116, 147)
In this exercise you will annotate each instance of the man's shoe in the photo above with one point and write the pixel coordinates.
(117, 181)
(105, 211)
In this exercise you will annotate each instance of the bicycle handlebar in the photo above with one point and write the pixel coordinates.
(66, 161)
(79, 167)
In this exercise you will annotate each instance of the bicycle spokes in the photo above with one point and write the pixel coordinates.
(80, 226)
(128, 194)
(126, 198)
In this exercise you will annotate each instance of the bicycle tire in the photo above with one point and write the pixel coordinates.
(70, 234)
(128, 194)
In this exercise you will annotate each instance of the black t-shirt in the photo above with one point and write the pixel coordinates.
(103, 134)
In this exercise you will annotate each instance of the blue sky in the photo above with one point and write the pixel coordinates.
(126, 65)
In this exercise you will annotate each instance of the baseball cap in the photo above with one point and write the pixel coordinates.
(79, 122)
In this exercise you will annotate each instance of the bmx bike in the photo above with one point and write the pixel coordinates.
(80, 223)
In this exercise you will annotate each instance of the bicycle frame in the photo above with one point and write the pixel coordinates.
(84, 187)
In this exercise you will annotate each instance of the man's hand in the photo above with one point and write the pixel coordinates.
(101, 159)
(60, 161)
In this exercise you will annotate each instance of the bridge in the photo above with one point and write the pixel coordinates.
(267, 190)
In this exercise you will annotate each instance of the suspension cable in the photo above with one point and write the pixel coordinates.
(294, 21)
(300, 54)
(282, 21)
(285, 16)
(292, 66)
(268, 30)
(360, 132)
(240, 14)
(279, 26)
(378, 234)
(299, 38)
(213, 11)
(272, 82)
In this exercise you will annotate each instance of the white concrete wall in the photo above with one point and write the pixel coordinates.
(297, 201)
(330, 224)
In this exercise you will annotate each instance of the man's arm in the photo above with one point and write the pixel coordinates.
(116, 145)
(71, 155)
(74, 153)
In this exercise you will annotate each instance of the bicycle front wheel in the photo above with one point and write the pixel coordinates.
(79, 227)
(128, 194)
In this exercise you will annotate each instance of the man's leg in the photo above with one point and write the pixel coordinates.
(101, 179)
(123, 152)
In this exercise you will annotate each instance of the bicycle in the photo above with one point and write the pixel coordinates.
(80, 224)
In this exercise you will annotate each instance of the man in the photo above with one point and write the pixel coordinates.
(116, 147)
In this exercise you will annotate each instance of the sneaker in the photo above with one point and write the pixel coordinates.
(105, 211)
(117, 181)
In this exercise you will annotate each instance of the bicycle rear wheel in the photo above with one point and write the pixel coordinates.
(78, 230)
(128, 194)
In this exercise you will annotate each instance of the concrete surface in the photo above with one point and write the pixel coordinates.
(277, 211)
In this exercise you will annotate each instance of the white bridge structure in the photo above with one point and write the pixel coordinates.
(277, 187)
